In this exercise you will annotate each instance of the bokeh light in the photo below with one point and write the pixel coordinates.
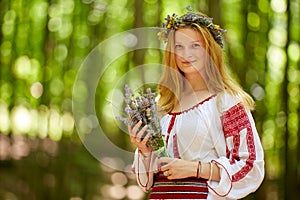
(21, 120)
(36, 90)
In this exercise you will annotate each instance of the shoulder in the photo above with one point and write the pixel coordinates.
(227, 100)
(164, 118)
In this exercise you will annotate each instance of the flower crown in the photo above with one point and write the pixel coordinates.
(173, 22)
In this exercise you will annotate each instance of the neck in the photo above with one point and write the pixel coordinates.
(195, 82)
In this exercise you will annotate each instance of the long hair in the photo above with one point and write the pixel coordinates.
(216, 73)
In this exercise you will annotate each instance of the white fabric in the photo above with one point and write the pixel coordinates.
(200, 137)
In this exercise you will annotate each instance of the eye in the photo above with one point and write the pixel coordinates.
(178, 46)
(196, 45)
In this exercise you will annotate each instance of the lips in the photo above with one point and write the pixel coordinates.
(188, 62)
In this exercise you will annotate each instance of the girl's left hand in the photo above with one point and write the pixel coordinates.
(175, 168)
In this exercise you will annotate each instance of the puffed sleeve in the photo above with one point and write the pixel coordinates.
(144, 169)
(242, 157)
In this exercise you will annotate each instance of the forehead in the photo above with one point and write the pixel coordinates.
(187, 34)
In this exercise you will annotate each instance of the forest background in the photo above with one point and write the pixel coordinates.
(44, 43)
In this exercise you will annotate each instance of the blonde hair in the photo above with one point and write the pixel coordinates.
(171, 84)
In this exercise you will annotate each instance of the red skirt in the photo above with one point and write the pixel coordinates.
(188, 188)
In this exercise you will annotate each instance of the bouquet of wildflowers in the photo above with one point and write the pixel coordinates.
(143, 108)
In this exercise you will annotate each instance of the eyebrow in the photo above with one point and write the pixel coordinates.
(190, 42)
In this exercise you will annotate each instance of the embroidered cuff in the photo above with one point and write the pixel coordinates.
(225, 184)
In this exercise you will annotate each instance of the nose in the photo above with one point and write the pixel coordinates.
(186, 53)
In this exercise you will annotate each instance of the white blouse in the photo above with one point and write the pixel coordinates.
(219, 130)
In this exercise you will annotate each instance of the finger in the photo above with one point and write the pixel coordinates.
(141, 133)
(166, 173)
(136, 128)
(130, 131)
(129, 128)
(170, 177)
(164, 163)
(165, 160)
(146, 138)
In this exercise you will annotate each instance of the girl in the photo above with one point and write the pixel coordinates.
(215, 151)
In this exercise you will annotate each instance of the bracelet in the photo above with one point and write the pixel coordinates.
(200, 170)
(211, 171)
(199, 164)
(144, 156)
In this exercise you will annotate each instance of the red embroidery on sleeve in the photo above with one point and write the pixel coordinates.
(172, 121)
(147, 172)
(236, 145)
(234, 120)
(227, 152)
(175, 147)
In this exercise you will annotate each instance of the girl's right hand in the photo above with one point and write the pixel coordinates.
(136, 137)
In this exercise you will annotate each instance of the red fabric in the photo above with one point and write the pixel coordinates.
(175, 147)
(188, 188)
(172, 121)
(234, 121)
(147, 173)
